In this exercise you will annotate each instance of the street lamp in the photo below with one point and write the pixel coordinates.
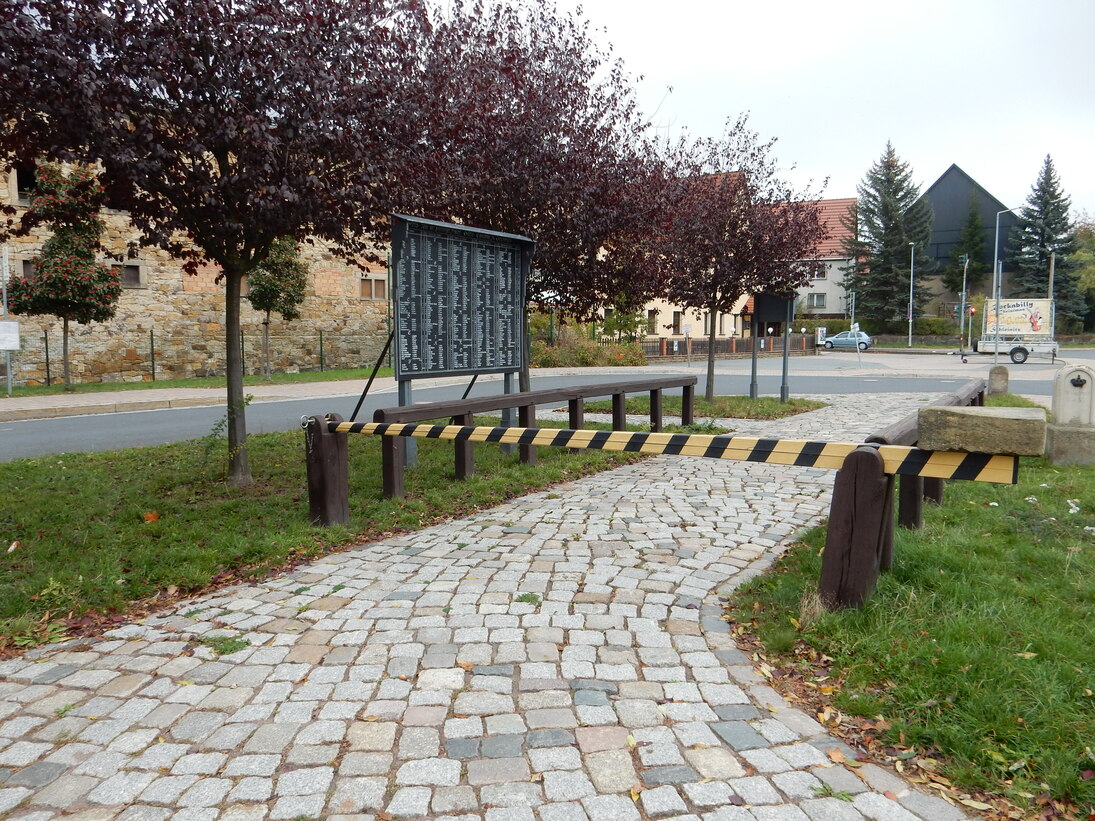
(912, 263)
(996, 282)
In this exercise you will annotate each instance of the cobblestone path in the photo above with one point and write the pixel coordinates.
(536, 662)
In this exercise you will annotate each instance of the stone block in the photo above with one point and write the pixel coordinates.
(998, 379)
(1074, 396)
(1070, 444)
(1019, 431)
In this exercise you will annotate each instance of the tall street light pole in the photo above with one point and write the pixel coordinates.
(912, 273)
(996, 283)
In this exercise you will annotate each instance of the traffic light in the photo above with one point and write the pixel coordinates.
(972, 310)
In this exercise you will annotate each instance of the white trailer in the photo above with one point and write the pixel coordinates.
(1025, 327)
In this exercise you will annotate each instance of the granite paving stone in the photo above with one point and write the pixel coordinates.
(403, 677)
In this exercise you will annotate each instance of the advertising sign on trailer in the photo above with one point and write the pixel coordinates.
(459, 298)
(1019, 317)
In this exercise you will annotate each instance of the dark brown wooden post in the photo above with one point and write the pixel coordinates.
(860, 530)
(910, 502)
(662, 346)
(688, 404)
(464, 453)
(933, 489)
(656, 410)
(391, 461)
(526, 418)
(326, 457)
(577, 409)
(619, 411)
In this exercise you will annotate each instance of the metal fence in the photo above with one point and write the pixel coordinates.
(726, 347)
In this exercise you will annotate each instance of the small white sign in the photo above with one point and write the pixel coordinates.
(9, 335)
(687, 330)
(855, 327)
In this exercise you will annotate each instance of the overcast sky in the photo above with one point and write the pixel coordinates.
(991, 86)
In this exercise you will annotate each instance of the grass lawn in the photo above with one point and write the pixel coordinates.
(974, 661)
(722, 407)
(202, 382)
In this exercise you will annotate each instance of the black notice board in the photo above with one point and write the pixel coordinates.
(459, 298)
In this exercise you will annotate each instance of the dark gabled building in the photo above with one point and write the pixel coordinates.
(949, 197)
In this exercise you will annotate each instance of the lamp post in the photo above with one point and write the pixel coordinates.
(996, 283)
(912, 274)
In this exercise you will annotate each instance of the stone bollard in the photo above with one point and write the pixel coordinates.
(1070, 439)
(998, 379)
(1018, 431)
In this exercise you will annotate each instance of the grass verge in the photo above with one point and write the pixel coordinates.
(973, 664)
(722, 407)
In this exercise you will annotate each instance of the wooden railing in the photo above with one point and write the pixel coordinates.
(859, 537)
(326, 451)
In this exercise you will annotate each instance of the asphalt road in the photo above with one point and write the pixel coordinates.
(828, 373)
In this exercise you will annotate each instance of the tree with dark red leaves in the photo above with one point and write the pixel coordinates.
(737, 228)
(220, 125)
(532, 128)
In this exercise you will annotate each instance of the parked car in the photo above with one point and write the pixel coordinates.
(849, 339)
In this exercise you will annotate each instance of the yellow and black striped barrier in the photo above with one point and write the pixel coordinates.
(900, 460)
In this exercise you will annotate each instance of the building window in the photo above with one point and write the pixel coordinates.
(821, 273)
(815, 300)
(28, 270)
(722, 324)
(677, 322)
(651, 323)
(129, 275)
(374, 288)
(24, 184)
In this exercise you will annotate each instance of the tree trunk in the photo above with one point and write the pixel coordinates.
(64, 353)
(239, 468)
(266, 347)
(709, 391)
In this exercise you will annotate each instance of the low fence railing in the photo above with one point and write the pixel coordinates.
(326, 469)
(860, 532)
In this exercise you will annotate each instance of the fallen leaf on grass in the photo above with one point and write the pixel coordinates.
(152, 516)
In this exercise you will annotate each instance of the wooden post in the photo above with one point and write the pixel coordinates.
(392, 461)
(326, 458)
(662, 346)
(526, 418)
(910, 503)
(464, 453)
(933, 489)
(656, 410)
(619, 411)
(688, 404)
(860, 530)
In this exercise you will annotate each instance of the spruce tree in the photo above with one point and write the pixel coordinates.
(971, 242)
(888, 217)
(1044, 229)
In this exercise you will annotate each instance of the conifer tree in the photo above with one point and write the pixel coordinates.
(68, 282)
(888, 217)
(971, 242)
(1044, 229)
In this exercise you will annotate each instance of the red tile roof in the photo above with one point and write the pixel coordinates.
(832, 214)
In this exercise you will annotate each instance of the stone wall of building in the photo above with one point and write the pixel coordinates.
(178, 319)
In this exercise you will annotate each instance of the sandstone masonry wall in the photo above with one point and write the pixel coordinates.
(181, 318)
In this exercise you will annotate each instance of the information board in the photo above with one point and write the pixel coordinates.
(459, 298)
(9, 335)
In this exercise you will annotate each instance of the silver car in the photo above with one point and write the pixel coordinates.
(849, 339)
